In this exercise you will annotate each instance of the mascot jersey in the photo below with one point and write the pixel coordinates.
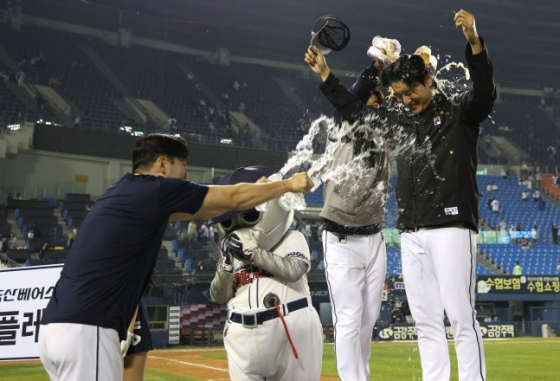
(253, 283)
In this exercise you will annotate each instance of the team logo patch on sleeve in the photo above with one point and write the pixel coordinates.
(297, 254)
(451, 211)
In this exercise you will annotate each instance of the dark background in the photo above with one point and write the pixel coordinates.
(101, 144)
(523, 36)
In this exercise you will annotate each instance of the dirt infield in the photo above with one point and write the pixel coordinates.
(193, 363)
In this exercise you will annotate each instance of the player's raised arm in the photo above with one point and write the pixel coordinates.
(465, 20)
(479, 101)
(221, 198)
(317, 62)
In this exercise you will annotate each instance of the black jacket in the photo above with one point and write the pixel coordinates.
(437, 174)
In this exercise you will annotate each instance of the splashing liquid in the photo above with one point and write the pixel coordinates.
(325, 137)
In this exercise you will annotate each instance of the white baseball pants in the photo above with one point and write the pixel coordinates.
(264, 352)
(439, 268)
(79, 352)
(355, 272)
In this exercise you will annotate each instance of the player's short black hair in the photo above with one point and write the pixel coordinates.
(408, 69)
(148, 148)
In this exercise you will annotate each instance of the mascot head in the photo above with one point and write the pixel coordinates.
(268, 227)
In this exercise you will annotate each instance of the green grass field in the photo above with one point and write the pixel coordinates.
(507, 360)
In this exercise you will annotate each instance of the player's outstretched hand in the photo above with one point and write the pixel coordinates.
(300, 183)
(465, 20)
(316, 61)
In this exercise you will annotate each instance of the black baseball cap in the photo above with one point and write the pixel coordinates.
(241, 175)
(330, 33)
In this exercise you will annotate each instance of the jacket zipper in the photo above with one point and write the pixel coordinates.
(412, 174)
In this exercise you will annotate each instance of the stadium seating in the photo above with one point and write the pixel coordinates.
(515, 211)
(75, 214)
(78, 197)
(540, 259)
(72, 205)
(26, 204)
(47, 231)
(55, 254)
(20, 256)
(316, 197)
(155, 74)
(5, 228)
(30, 213)
(548, 185)
(522, 118)
(497, 246)
(13, 110)
(82, 82)
(266, 104)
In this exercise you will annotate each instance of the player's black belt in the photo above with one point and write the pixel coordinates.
(451, 224)
(253, 320)
(333, 227)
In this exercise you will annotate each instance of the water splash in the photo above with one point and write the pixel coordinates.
(325, 137)
(453, 78)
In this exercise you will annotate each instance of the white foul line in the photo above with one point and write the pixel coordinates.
(188, 363)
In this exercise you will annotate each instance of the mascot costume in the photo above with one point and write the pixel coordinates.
(272, 332)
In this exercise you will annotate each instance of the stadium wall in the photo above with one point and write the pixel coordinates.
(60, 154)
(41, 171)
(102, 144)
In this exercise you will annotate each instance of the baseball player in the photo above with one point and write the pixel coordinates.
(114, 255)
(353, 246)
(437, 197)
(273, 332)
(139, 342)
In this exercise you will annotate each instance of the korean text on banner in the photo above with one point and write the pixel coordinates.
(24, 294)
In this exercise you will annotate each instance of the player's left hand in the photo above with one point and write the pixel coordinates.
(465, 20)
(240, 245)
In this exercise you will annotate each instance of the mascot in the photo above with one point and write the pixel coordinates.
(273, 331)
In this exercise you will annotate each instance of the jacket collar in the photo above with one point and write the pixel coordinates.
(437, 102)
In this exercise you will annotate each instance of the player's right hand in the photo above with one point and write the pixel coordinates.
(300, 183)
(316, 61)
